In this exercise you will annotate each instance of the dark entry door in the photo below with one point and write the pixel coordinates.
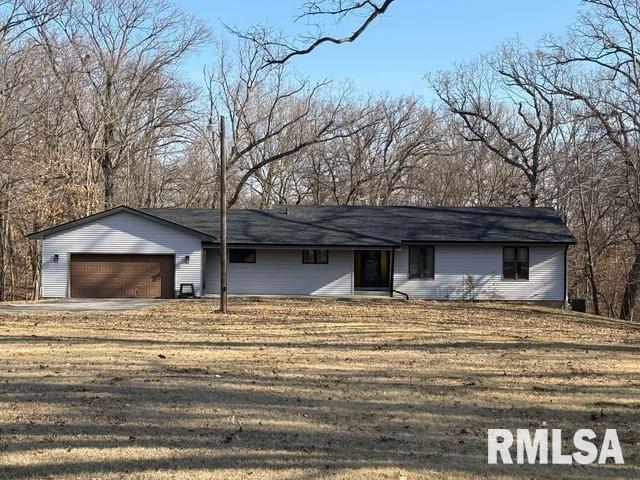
(372, 269)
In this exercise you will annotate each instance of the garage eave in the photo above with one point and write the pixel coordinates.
(112, 211)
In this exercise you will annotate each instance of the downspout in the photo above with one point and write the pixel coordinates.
(392, 269)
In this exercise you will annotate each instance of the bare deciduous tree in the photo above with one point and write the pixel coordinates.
(503, 103)
(272, 117)
(602, 48)
(115, 58)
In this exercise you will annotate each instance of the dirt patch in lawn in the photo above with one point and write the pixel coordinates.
(308, 389)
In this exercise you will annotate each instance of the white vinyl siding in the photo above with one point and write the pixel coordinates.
(119, 233)
(483, 263)
(281, 272)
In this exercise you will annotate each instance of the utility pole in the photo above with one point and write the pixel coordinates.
(223, 221)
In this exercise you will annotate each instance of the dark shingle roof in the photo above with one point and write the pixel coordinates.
(375, 226)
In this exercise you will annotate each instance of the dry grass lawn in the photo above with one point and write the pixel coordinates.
(307, 389)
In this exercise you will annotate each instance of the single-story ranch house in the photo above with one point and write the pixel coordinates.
(426, 253)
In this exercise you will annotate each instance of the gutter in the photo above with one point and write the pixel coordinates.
(280, 246)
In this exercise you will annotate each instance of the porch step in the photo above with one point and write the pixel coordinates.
(371, 293)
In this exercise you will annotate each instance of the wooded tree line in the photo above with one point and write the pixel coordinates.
(96, 112)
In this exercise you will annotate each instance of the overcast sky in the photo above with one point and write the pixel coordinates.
(413, 38)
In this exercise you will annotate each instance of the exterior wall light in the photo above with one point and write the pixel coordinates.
(186, 259)
(56, 258)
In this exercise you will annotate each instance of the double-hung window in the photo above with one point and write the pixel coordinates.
(515, 263)
(315, 256)
(421, 262)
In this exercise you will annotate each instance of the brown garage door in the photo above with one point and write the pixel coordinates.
(122, 276)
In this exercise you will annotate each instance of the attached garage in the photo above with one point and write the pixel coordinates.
(120, 253)
(121, 276)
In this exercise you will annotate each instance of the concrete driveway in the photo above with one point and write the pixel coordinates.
(80, 305)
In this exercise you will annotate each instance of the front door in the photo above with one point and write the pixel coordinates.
(372, 269)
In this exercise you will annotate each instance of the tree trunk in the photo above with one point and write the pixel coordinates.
(591, 275)
(107, 171)
(106, 157)
(631, 289)
(12, 272)
(595, 303)
(588, 250)
(3, 250)
(533, 190)
(35, 260)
